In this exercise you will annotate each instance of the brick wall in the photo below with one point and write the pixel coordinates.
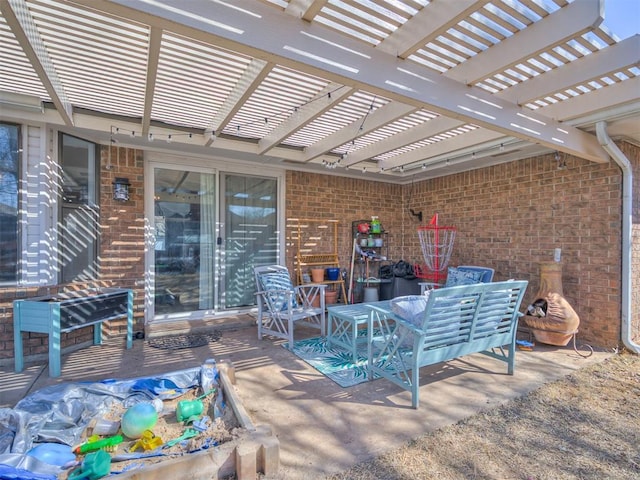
(121, 258)
(510, 217)
(122, 229)
(330, 197)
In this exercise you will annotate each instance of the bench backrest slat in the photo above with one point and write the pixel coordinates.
(465, 313)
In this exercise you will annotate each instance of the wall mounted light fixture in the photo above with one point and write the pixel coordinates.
(562, 162)
(121, 189)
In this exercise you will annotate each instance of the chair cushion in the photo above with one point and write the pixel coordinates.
(457, 277)
(278, 281)
(410, 307)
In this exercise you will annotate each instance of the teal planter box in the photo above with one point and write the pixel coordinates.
(56, 314)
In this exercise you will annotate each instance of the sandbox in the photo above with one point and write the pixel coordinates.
(219, 441)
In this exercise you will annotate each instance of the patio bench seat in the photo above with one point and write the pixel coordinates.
(456, 321)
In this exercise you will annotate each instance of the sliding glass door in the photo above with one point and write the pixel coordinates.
(250, 234)
(209, 230)
(184, 247)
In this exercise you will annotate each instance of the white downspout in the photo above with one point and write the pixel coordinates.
(627, 199)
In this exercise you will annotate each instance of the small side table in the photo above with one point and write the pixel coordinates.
(344, 321)
(63, 313)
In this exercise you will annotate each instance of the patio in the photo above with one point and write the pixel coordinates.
(322, 428)
(414, 102)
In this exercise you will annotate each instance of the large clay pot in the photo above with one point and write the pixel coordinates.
(558, 326)
(561, 321)
(550, 279)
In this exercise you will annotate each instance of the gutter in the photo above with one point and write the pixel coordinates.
(627, 196)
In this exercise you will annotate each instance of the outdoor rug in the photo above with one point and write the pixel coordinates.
(334, 362)
(177, 342)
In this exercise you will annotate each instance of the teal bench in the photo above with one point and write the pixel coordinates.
(457, 321)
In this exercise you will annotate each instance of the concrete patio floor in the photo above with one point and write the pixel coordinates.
(322, 427)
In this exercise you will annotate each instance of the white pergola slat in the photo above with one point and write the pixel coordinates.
(305, 9)
(255, 73)
(612, 97)
(450, 143)
(408, 137)
(155, 39)
(445, 146)
(434, 19)
(267, 33)
(599, 64)
(412, 82)
(578, 17)
(24, 28)
(303, 116)
(379, 117)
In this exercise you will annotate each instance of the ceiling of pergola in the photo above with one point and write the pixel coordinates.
(387, 89)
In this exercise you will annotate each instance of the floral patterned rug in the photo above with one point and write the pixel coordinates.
(334, 362)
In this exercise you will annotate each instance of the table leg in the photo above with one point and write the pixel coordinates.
(130, 319)
(17, 339)
(329, 328)
(54, 343)
(97, 333)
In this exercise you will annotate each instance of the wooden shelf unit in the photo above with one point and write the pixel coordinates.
(305, 261)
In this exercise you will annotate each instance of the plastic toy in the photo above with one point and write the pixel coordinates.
(138, 418)
(202, 424)
(188, 433)
(525, 345)
(188, 410)
(148, 441)
(95, 465)
(52, 453)
(94, 443)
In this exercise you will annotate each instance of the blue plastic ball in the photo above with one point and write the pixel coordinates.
(138, 418)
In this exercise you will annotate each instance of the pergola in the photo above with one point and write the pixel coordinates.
(387, 89)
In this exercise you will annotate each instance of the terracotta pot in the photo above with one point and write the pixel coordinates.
(330, 297)
(561, 321)
(317, 275)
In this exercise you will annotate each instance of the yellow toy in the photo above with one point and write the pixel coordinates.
(148, 441)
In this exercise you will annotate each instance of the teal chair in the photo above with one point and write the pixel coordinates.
(281, 305)
(461, 275)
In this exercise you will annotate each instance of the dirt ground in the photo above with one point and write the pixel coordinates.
(585, 426)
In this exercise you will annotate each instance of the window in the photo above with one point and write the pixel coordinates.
(78, 224)
(9, 178)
